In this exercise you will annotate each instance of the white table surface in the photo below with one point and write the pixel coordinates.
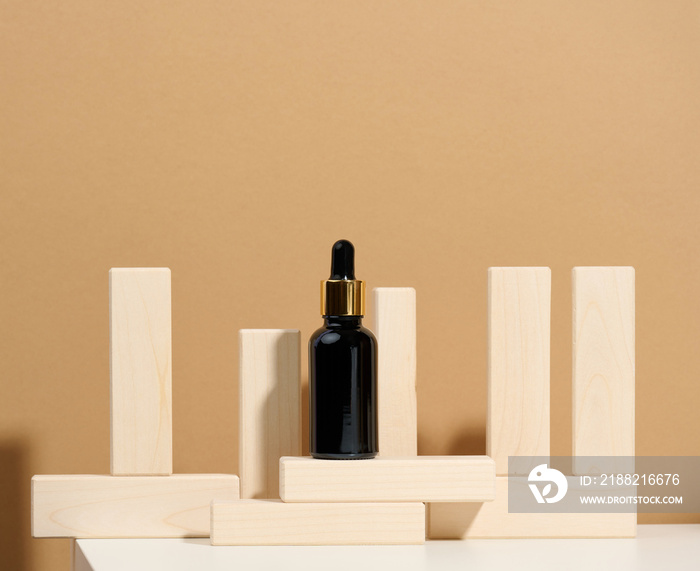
(657, 547)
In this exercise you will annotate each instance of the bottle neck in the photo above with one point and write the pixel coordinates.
(342, 321)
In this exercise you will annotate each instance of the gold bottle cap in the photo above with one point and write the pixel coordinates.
(342, 294)
(342, 297)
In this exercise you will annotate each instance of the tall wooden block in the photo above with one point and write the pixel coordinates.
(518, 364)
(129, 506)
(395, 328)
(141, 371)
(272, 522)
(603, 363)
(270, 407)
(382, 479)
(491, 520)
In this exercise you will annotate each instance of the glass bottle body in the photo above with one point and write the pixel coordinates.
(343, 390)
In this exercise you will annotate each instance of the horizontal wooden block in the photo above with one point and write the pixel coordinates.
(127, 506)
(400, 479)
(272, 522)
(491, 520)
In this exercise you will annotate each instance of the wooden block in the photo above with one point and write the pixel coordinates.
(491, 520)
(518, 364)
(381, 479)
(270, 407)
(272, 522)
(141, 373)
(603, 363)
(395, 328)
(129, 506)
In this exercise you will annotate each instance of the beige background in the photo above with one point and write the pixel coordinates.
(235, 141)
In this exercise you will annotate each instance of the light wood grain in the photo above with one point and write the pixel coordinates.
(394, 325)
(491, 520)
(603, 364)
(270, 407)
(382, 479)
(128, 506)
(272, 522)
(141, 373)
(518, 364)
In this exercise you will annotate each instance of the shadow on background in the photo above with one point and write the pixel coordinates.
(15, 531)
(470, 440)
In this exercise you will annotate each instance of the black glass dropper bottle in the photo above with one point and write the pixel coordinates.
(343, 368)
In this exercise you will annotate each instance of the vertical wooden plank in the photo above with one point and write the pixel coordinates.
(140, 371)
(603, 363)
(395, 328)
(270, 407)
(518, 364)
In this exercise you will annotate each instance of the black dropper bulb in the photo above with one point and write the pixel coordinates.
(343, 261)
